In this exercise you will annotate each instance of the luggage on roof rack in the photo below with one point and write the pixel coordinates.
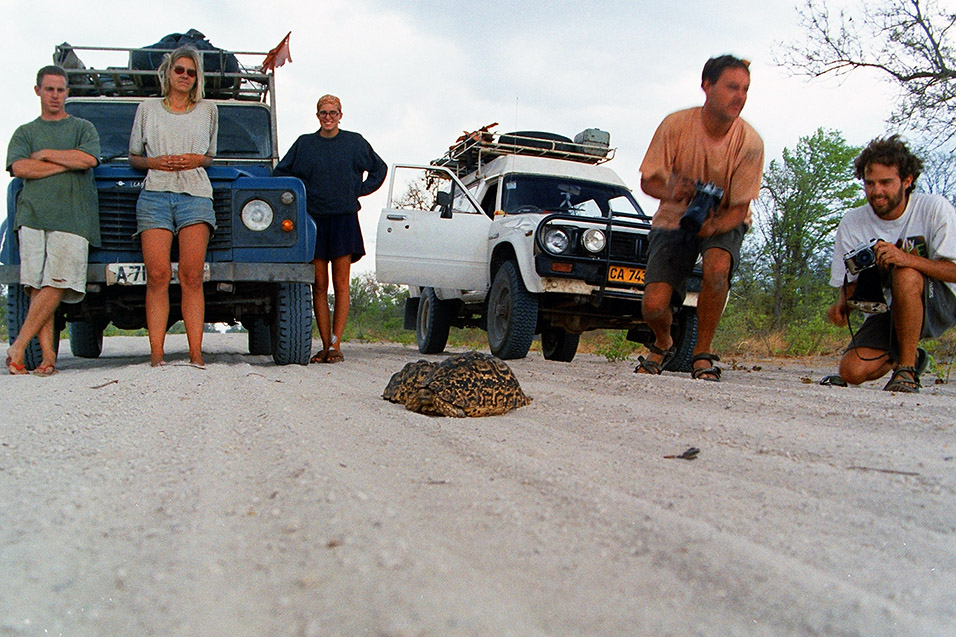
(227, 77)
(471, 150)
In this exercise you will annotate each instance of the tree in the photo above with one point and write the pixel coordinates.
(939, 174)
(908, 41)
(801, 203)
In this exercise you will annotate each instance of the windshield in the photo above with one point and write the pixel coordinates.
(244, 131)
(535, 193)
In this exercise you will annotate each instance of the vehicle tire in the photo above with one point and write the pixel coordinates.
(512, 314)
(292, 324)
(17, 305)
(432, 323)
(86, 339)
(260, 336)
(559, 345)
(684, 331)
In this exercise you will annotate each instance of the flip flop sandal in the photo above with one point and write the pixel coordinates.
(904, 380)
(334, 356)
(45, 370)
(16, 369)
(711, 373)
(320, 356)
(654, 367)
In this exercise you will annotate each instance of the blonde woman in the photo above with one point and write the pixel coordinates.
(174, 140)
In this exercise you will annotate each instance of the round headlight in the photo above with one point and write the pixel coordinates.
(257, 215)
(287, 197)
(556, 240)
(594, 240)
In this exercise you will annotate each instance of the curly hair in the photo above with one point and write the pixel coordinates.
(717, 65)
(890, 151)
(197, 92)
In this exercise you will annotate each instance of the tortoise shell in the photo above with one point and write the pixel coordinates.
(462, 385)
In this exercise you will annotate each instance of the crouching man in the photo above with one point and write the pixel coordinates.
(913, 268)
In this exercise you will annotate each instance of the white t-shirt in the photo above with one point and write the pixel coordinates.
(158, 131)
(929, 220)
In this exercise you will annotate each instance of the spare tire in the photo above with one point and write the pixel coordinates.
(539, 139)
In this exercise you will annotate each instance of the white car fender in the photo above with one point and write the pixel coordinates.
(518, 231)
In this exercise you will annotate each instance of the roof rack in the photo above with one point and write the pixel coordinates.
(249, 83)
(471, 150)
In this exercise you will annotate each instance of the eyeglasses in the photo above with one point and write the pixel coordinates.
(329, 113)
(179, 70)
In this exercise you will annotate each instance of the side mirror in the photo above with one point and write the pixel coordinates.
(443, 201)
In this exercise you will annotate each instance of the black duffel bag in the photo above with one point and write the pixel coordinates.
(215, 61)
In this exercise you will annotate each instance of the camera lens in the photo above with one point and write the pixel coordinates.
(866, 258)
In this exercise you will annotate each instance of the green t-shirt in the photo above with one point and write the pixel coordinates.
(66, 202)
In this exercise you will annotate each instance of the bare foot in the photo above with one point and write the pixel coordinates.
(197, 362)
(157, 363)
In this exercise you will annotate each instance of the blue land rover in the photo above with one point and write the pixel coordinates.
(258, 264)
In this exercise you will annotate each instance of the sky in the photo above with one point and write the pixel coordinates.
(414, 75)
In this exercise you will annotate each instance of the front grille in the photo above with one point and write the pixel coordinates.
(628, 246)
(118, 219)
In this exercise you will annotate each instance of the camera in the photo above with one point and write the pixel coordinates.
(861, 257)
(706, 198)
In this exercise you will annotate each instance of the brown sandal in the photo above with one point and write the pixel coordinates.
(320, 356)
(711, 373)
(654, 367)
(904, 380)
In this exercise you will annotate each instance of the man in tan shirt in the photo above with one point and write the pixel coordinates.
(709, 143)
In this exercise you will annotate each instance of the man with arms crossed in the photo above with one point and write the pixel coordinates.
(57, 216)
(915, 263)
(710, 143)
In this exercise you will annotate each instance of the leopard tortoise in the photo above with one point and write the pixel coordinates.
(462, 385)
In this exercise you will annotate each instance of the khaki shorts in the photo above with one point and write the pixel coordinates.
(51, 259)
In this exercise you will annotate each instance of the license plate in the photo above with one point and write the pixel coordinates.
(135, 273)
(621, 274)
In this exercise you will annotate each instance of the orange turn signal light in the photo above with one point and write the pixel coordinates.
(288, 225)
(561, 267)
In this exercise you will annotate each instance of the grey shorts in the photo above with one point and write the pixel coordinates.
(939, 314)
(52, 259)
(672, 254)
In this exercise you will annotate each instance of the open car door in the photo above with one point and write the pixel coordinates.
(432, 233)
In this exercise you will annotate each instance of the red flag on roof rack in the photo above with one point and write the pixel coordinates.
(277, 56)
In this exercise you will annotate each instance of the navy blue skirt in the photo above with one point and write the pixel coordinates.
(338, 235)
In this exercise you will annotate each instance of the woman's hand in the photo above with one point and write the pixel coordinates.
(175, 163)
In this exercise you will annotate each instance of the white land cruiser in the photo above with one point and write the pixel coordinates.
(521, 234)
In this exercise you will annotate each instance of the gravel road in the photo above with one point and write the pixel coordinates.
(250, 499)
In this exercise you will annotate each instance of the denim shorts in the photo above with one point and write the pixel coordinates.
(172, 211)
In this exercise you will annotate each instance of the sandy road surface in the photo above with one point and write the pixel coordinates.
(258, 500)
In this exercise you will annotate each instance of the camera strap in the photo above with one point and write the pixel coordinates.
(849, 325)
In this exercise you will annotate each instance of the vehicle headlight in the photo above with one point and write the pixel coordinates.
(556, 240)
(257, 215)
(594, 240)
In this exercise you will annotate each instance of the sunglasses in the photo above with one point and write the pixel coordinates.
(179, 70)
(328, 113)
